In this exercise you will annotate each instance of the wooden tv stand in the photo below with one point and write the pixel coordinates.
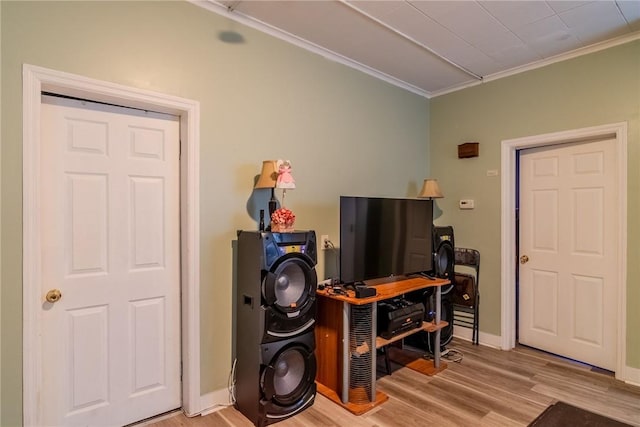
(346, 342)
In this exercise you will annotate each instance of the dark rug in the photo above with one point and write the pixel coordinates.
(563, 415)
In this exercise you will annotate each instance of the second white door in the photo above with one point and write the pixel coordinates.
(111, 247)
(569, 251)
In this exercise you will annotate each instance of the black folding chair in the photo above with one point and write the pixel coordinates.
(466, 297)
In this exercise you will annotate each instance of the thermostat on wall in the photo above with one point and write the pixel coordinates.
(467, 204)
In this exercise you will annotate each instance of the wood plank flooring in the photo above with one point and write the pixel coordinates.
(488, 387)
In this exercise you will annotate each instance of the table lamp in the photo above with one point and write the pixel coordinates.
(430, 190)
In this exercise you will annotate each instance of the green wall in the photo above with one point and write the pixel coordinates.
(344, 132)
(591, 90)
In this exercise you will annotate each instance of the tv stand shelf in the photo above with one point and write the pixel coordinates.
(386, 290)
(346, 342)
(426, 326)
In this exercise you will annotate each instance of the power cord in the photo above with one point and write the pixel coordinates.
(453, 355)
(328, 245)
(231, 387)
(338, 292)
(231, 383)
(448, 354)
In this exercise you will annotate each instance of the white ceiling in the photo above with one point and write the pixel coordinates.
(435, 47)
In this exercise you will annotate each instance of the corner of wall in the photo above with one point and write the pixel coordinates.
(488, 340)
(215, 401)
(630, 376)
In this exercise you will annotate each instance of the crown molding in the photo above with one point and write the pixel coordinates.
(544, 62)
(216, 7)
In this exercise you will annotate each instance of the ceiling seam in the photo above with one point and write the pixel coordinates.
(412, 40)
(622, 14)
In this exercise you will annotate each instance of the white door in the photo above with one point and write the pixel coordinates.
(110, 244)
(568, 251)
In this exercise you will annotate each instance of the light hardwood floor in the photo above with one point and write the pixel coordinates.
(488, 387)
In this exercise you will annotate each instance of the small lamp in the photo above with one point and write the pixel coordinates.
(430, 190)
(267, 179)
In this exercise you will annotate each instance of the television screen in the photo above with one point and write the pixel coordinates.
(384, 237)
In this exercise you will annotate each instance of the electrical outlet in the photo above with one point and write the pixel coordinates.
(324, 241)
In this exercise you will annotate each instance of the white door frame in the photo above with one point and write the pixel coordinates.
(617, 131)
(35, 80)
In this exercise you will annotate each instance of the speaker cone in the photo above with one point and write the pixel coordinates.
(444, 260)
(290, 285)
(289, 375)
(289, 372)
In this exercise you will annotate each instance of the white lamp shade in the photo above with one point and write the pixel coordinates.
(430, 189)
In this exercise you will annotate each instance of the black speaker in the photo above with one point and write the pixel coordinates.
(275, 318)
(444, 256)
(443, 268)
(446, 314)
(426, 340)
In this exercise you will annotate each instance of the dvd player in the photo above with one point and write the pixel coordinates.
(398, 315)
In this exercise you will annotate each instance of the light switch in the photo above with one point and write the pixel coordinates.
(467, 204)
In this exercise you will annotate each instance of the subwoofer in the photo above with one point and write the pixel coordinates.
(275, 317)
(443, 252)
(443, 268)
(427, 340)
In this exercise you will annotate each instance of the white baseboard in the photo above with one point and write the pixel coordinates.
(485, 339)
(215, 401)
(631, 376)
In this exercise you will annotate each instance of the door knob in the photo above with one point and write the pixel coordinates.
(54, 295)
(524, 259)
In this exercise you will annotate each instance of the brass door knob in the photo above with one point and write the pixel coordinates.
(54, 295)
(524, 259)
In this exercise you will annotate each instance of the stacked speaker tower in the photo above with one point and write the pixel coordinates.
(275, 319)
(443, 268)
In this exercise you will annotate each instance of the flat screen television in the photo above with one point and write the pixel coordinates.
(384, 237)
